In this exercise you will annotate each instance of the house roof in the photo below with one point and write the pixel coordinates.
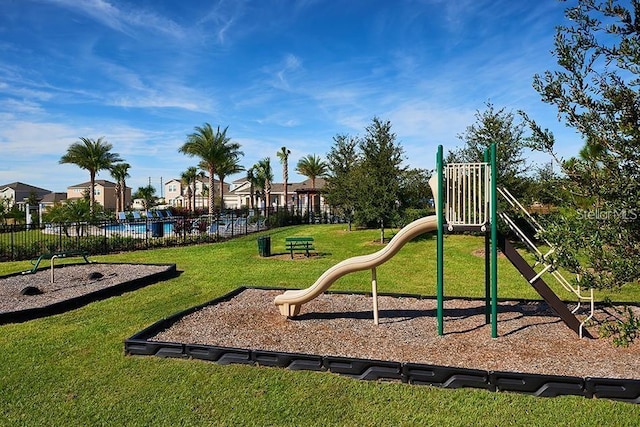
(306, 185)
(278, 187)
(22, 187)
(54, 197)
(102, 182)
(203, 179)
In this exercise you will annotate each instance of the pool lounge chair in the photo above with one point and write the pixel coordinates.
(136, 215)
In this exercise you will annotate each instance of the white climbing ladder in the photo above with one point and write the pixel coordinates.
(543, 259)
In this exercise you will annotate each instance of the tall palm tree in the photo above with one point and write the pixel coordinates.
(120, 172)
(283, 155)
(212, 147)
(188, 177)
(228, 167)
(312, 167)
(204, 191)
(91, 155)
(264, 175)
(253, 181)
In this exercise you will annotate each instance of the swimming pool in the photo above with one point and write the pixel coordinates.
(137, 228)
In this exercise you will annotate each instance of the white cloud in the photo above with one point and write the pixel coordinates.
(124, 21)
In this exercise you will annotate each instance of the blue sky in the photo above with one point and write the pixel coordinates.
(278, 73)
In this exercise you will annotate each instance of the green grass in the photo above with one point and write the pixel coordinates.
(70, 369)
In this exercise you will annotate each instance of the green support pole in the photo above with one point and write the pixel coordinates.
(487, 264)
(494, 244)
(440, 243)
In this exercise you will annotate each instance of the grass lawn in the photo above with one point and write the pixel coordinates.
(70, 369)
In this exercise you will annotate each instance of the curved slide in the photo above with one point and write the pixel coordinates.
(290, 301)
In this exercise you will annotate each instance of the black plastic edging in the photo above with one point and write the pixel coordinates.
(627, 390)
(82, 300)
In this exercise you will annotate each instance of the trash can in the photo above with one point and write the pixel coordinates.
(157, 229)
(264, 246)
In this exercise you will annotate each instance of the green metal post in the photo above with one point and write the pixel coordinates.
(487, 264)
(494, 244)
(440, 242)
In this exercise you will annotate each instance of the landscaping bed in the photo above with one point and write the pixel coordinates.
(25, 296)
(535, 352)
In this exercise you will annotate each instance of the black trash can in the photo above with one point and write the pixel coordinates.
(157, 229)
(264, 246)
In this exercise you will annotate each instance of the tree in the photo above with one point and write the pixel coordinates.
(343, 161)
(253, 183)
(312, 167)
(188, 178)
(264, 178)
(4, 208)
(283, 155)
(93, 156)
(379, 187)
(496, 126)
(229, 166)
(415, 191)
(73, 213)
(120, 172)
(213, 148)
(148, 196)
(595, 91)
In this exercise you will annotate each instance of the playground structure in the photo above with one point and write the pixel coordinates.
(466, 200)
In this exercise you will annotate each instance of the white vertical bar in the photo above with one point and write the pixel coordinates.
(374, 292)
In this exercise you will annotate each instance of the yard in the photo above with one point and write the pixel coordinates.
(70, 369)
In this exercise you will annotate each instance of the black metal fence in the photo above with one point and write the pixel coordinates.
(22, 242)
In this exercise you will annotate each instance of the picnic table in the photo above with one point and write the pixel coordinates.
(299, 244)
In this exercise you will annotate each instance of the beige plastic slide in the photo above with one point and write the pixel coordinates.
(290, 301)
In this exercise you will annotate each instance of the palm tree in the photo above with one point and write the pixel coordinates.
(228, 167)
(120, 172)
(188, 177)
(253, 183)
(212, 148)
(264, 176)
(283, 155)
(312, 167)
(91, 155)
(147, 195)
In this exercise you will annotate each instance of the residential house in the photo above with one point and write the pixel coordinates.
(301, 196)
(16, 193)
(53, 198)
(175, 192)
(104, 191)
(237, 194)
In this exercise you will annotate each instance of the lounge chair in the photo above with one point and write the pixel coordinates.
(122, 216)
(136, 215)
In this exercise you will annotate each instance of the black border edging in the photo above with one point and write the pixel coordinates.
(539, 385)
(82, 300)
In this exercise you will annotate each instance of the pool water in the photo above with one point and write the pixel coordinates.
(136, 228)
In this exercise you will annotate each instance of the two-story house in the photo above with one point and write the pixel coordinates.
(17, 193)
(176, 192)
(104, 191)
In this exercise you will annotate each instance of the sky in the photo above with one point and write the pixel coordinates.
(144, 73)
